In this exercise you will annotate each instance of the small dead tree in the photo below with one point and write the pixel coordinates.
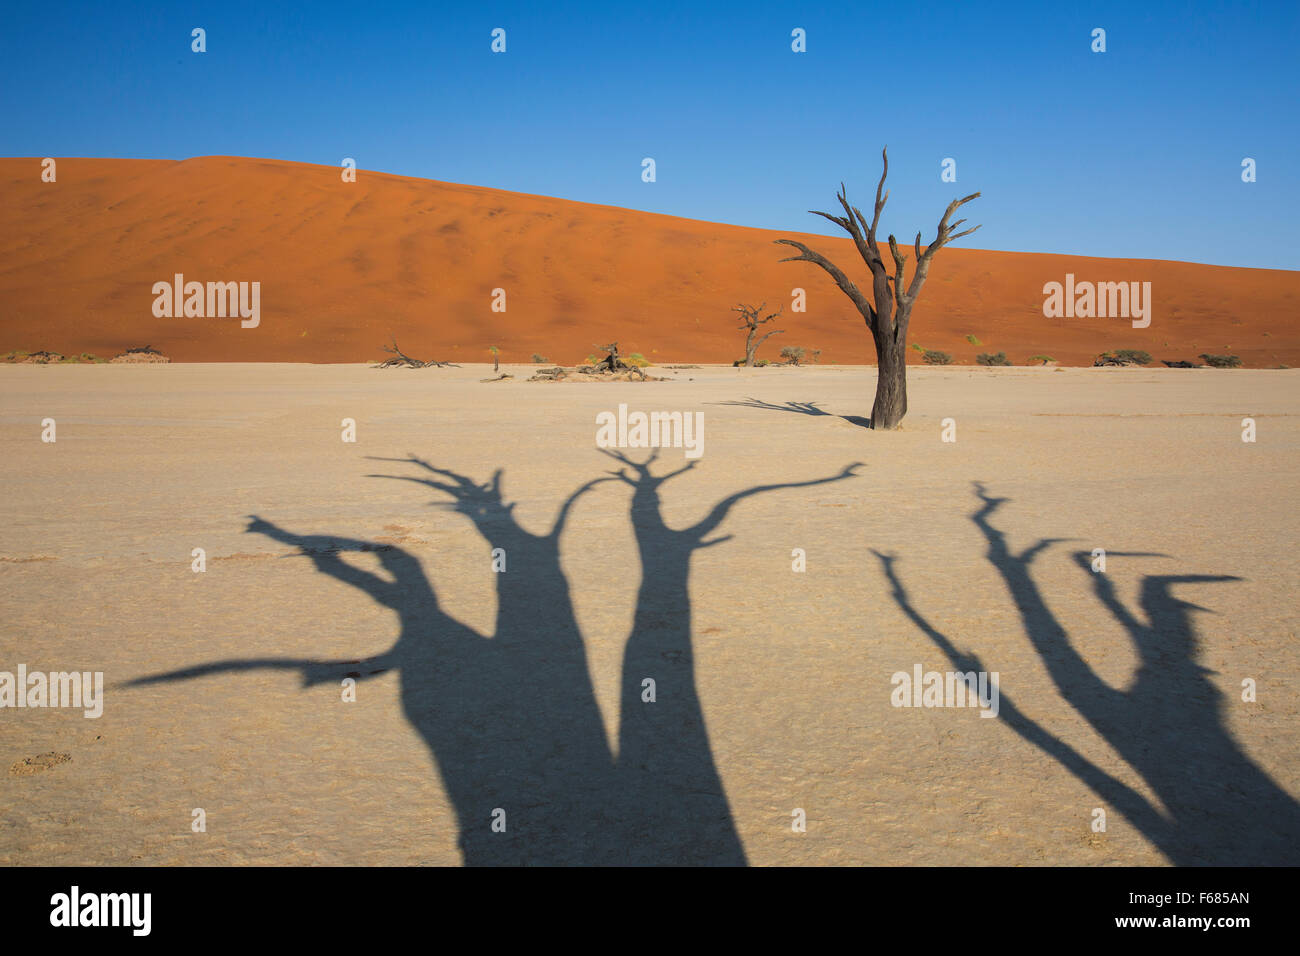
(401, 359)
(750, 319)
(610, 363)
(889, 309)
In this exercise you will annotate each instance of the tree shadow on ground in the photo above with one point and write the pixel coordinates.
(802, 408)
(1215, 805)
(512, 719)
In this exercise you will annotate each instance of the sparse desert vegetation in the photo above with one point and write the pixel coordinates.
(751, 319)
(38, 357)
(613, 367)
(401, 360)
(141, 355)
(91, 314)
(1123, 357)
(1221, 361)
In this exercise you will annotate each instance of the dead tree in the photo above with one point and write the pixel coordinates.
(889, 309)
(402, 360)
(610, 363)
(749, 319)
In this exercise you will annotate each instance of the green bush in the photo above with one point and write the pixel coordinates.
(759, 363)
(973, 341)
(1134, 356)
(637, 359)
(1222, 361)
(1044, 359)
(539, 359)
(919, 348)
(998, 358)
(793, 354)
(934, 357)
(1123, 357)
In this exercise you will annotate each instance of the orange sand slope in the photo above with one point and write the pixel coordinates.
(343, 266)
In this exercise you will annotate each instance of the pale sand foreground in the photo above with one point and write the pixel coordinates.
(793, 670)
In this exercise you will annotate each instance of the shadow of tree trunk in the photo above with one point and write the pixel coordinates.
(665, 760)
(1216, 805)
(512, 720)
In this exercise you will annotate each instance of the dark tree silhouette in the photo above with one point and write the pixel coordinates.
(889, 310)
(512, 719)
(1216, 806)
(663, 747)
(812, 409)
(751, 317)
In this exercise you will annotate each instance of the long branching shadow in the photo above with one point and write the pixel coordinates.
(512, 720)
(1215, 805)
(802, 408)
(665, 760)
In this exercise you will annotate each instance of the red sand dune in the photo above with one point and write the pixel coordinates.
(343, 266)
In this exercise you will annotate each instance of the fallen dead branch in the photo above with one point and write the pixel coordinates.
(402, 360)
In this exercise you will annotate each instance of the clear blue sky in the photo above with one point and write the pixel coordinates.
(1133, 152)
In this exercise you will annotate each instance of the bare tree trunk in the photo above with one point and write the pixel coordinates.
(889, 310)
(750, 319)
(664, 752)
(891, 384)
(751, 347)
